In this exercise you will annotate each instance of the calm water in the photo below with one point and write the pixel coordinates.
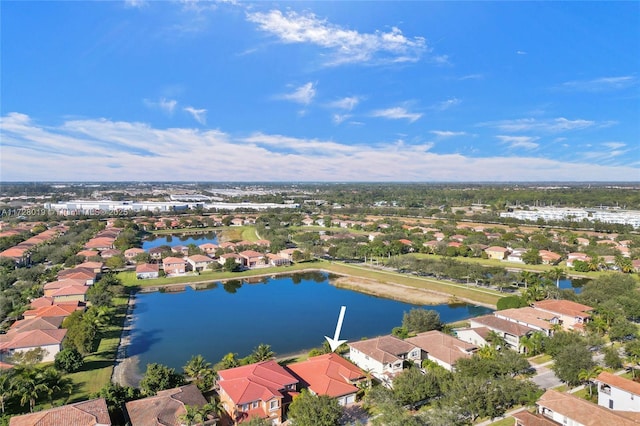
(291, 314)
(574, 284)
(182, 240)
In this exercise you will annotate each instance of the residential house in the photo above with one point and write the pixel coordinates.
(180, 250)
(88, 253)
(41, 323)
(496, 252)
(331, 375)
(572, 315)
(147, 271)
(618, 393)
(275, 260)
(475, 335)
(93, 412)
(96, 267)
(166, 407)
(86, 275)
(260, 390)
(62, 310)
(199, 262)
(576, 256)
(156, 252)
(384, 356)
(174, 266)
(236, 257)
(515, 255)
(556, 408)
(262, 243)
(252, 259)
(288, 253)
(106, 254)
(209, 249)
(72, 293)
(511, 331)
(549, 257)
(100, 243)
(49, 340)
(227, 245)
(441, 348)
(53, 286)
(131, 253)
(532, 318)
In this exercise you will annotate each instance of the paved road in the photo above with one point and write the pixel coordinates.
(545, 377)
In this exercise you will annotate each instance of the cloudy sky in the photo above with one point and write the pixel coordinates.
(320, 91)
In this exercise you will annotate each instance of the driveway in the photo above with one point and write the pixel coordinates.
(545, 377)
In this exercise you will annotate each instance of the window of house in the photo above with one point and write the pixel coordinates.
(245, 407)
(273, 404)
(611, 404)
(254, 404)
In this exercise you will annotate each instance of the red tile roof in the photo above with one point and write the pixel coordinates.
(40, 323)
(384, 349)
(55, 285)
(147, 267)
(619, 382)
(198, 258)
(33, 338)
(173, 261)
(442, 346)
(72, 290)
(585, 412)
(262, 381)
(564, 307)
(86, 413)
(60, 310)
(328, 374)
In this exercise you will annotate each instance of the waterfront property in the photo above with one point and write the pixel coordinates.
(166, 407)
(384, 356)
(85, 413)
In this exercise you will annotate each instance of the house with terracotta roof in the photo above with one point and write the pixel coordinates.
(166, 407)
(85, 274)
(62, 310)
(443, 349)
(147, 271)
(174, 266)
(85, 413)
(199, 262)
(618, 393)
(96, 267)
(549, 257)
(572, 315)
(275, 260)
(49, 340)
(257, 390)
(532, 318)
(252, 259)
(41, 323)
(511, 331)
(496, 252)
(131, 253)
(54, 286)
(227, 245)
(72, 293)
(331, 375)
(209, 248)
(557, 408)
(384, 357)
(577, 256)
(100, 243)
(475, 335)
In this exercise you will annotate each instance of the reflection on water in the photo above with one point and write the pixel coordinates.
(236, 317)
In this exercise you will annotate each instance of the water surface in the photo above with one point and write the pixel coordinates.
(291, 314)
(182, 240)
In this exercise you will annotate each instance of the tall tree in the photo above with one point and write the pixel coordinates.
(262, 352)
(421, 320)
(314, 410)
(159, 377)
(200, 372)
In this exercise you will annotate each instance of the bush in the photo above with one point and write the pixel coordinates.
(510, 302)
(68, 360)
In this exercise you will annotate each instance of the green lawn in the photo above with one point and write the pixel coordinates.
(98, 366)
(540, 359)
(507, 421)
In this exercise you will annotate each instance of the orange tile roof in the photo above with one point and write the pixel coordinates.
(200, 258)
(585, 412)
(41, 302)
(328, 374)
(262, 381)
(39, 323)
(32, 339)
(173, 261)
(62, 310)
(86, 413)
(529, 419)
(619, 382)
(248, 254)
(147, 267)
(564, 307)
(165, 408)
(71, 290)
(529, 316)
(55, 285)
(494, 323)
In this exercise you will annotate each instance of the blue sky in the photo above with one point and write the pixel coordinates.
(320, 91)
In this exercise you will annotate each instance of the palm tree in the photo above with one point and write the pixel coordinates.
(30, 387)
(496, 340)
(6, 388)
(589, 375)
(262, 352)
(487, 352)
(555, 274)
(55, 383)
(190, 415)
(215, 407)
(529, 278)
(200, 372)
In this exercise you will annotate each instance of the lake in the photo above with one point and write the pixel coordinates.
(574, 284)
(183, 240)
(292, 314)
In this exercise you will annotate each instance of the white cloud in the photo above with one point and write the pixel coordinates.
(601, 84)
(200, 115)
(347, 103)
(614, 145)
(345, 45)
(302, 95)
(471, 77)
(116, 150)
(135, 3)
(555, 125)
(444, 105)
(397, 113)
(526, 142)
(447, 133)
(521, 52)
(339, 118)
(166, 105)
